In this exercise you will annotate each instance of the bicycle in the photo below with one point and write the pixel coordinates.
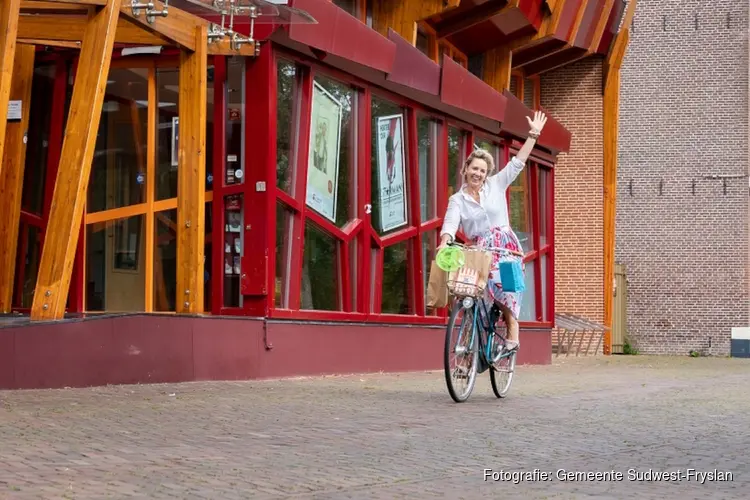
(478, 340)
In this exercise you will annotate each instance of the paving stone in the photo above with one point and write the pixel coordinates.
(389, 435)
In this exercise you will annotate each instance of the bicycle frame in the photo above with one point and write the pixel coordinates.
(486, 341)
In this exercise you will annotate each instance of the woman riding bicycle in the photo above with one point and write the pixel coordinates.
(481, 210)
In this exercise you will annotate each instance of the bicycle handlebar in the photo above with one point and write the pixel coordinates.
(489, 249)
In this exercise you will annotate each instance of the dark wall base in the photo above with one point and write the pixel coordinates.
(153, 349)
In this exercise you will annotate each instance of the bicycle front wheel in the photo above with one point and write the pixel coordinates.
(501, 374)
(460, 353)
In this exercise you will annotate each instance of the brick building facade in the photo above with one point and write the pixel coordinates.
(573, 94)
(682, 235)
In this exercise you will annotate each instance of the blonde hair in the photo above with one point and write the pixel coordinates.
(479, 154)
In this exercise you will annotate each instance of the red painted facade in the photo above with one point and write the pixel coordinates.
(374, 311)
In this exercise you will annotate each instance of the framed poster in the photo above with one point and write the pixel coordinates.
(323, 160)
(391, 172)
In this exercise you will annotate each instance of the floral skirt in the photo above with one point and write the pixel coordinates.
(500, 237)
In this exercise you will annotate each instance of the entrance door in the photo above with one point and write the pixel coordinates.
(131, 213)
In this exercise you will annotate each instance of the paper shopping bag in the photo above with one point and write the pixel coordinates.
(472, 276)
(437, 289)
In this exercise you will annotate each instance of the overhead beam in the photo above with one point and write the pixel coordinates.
(71, 28)
(11, 172)
(69, 197)
(611, 126)
(50, 43)
(9, 10)
(191, 174)
(467, 19)
(403, 15)
(178, 26)
(224, 48)
(36, 6)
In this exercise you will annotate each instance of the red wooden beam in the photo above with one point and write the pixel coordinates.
(473, 16)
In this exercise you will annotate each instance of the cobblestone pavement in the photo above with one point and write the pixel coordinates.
(389, 436)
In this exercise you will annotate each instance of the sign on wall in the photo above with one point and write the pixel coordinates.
(391, 172)
(323, 162)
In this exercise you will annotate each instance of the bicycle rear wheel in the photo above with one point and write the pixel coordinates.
(460, 356)
(501, 374)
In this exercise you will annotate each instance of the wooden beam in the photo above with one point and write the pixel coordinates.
(35, 6)
(191, 175)
(11, 172)
(178, 26)
(601, 26)
(403, 15)
(9, 10)
(71, 28)
(50, 43)
(611, 124)
(497, 68)
(224, 48)
(69, 197)
(473, 16)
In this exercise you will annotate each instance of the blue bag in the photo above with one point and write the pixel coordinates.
(511, 275)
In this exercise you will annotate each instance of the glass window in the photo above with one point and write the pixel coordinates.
(165, 260)
(528, 92)
(545, 207)
(35, 168)
(397, 285)
(233, 245)
(545, 287)
(167, 132)
(491, 147)
(423, 42)
(320, 288)
(331, 172)
(513, 85)
(389, 171)
(349, 6)
(118, 169)
(235, 121)
(520, 210)
(115, 271)
(428, 255)
(29, 243)
(284, 247)
(528, 301)
(456, 139)
(287, 104)
(428, 131)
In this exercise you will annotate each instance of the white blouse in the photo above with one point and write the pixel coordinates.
(491, 211)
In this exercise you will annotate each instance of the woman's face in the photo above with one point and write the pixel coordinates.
(475, 174)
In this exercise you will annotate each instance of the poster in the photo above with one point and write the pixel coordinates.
(323, 162)
(391, 172)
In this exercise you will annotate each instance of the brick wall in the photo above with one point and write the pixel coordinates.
(684, 115)
(573, 95)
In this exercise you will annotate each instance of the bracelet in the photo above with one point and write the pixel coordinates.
(534, 134)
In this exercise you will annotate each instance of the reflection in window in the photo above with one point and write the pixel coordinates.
(428, 255)
(545, 287)
(115, 274)
(331, 187)
(235, 123)
(165, 260)
(233, 245)
(35, 167)
(29, 245)
(397, 289)
(287, 96)
(349, 6)
(423, 42)
(455, 159)
(528, 301)
(427, 130)
(520, 210)
(389, 172)
(118, 169)
(544, 204)
(491, 147)
(167, 92)
(320, 271)
(284, 238)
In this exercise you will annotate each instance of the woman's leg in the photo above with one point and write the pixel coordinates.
(511, 323)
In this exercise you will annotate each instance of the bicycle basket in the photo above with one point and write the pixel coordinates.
(465, 282)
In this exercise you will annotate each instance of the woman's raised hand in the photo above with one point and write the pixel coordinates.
(537, 124)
